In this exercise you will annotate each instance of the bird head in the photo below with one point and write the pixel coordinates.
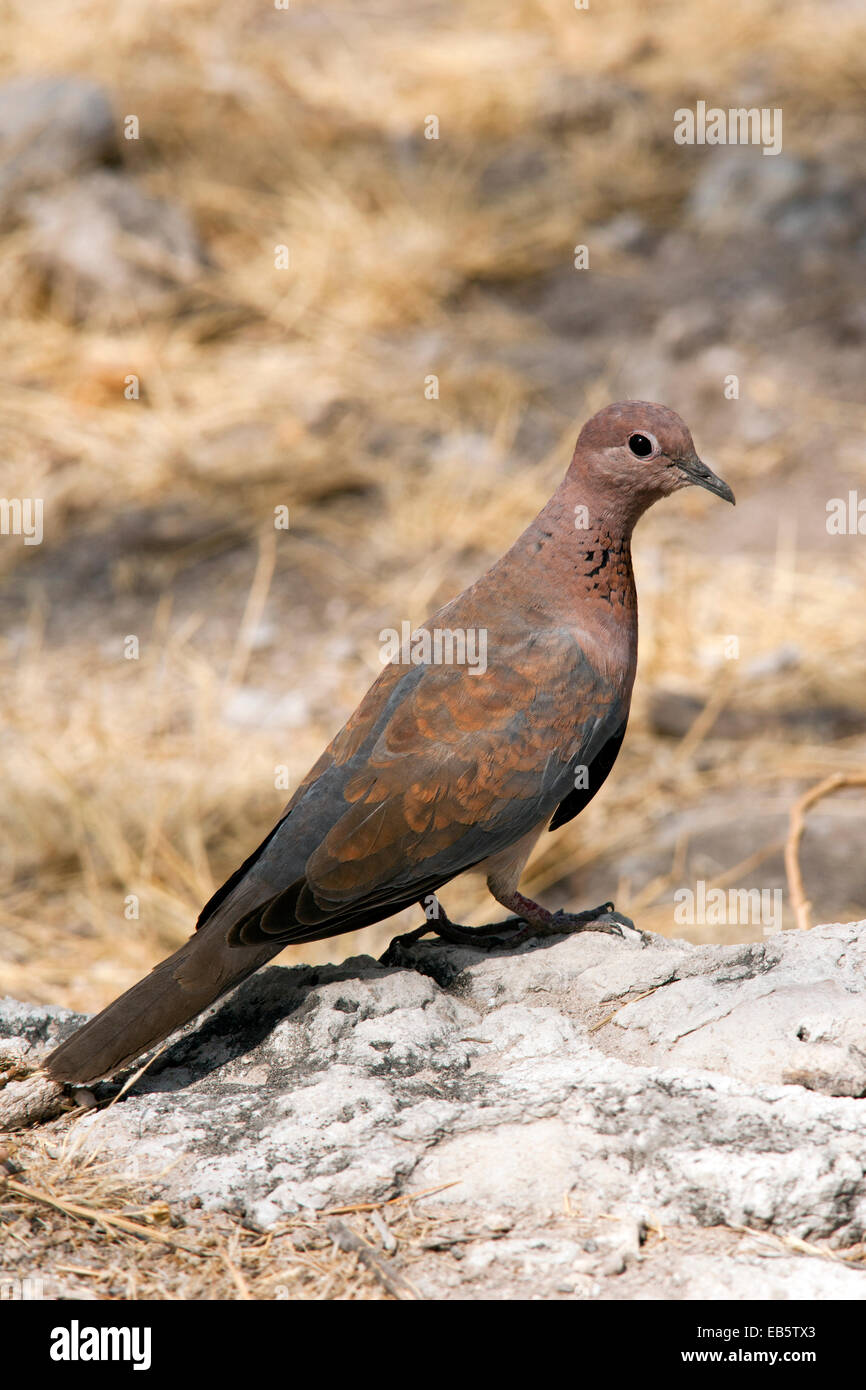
(639, 452)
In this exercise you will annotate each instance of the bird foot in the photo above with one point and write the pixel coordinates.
(480, 938)
(513, 931)
(604, 918)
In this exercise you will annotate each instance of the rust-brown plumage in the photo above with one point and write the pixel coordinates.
(445, 768)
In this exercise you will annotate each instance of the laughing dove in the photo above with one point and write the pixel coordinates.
(446, 767)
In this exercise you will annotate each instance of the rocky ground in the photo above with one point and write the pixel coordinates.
(602, 1118)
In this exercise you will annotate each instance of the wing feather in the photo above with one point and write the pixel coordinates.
(439, 768)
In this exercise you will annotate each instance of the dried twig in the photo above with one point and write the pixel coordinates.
(607, 1018)
(24, 1103)
(390, 1278)
(853, 1255)
(386, 1236)
(237, 1275)
(707, 716)
(389, 1201)
(101, 1218)
(799, 901)
(255, 607)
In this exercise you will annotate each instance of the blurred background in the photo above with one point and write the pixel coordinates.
(168, 377)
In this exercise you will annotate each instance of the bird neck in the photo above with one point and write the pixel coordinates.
(580, 577)
(585, 546)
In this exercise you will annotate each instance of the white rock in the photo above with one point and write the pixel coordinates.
(732, 1095)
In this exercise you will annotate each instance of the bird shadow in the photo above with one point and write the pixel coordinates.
(241, 1023)
(234, 1028)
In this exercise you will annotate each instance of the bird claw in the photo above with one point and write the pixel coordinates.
(604, 919)
(485, 938)
(394, 953)
(514, 931)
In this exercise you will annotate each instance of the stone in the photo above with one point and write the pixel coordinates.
(808, 203)
(579, 1096)
(102, 243)
(96, 240)
(51, 128)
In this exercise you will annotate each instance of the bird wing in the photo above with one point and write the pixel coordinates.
(438, 768)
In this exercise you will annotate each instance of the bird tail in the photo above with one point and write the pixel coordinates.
(177, 989)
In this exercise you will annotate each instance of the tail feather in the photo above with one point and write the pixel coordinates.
(239, 931)
(174, 992)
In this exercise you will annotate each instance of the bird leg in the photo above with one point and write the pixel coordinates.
(532, 921)
(542, 922)
(436, 920)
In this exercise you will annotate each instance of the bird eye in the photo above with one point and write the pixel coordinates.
(641, 444)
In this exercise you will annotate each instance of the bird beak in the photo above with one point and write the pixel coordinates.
(698, 473)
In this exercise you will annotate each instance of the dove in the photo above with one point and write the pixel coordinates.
(446, 767)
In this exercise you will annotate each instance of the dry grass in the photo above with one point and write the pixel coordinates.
(84, 1229)
(152, 777)
(76, 1227)
(306, 388)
